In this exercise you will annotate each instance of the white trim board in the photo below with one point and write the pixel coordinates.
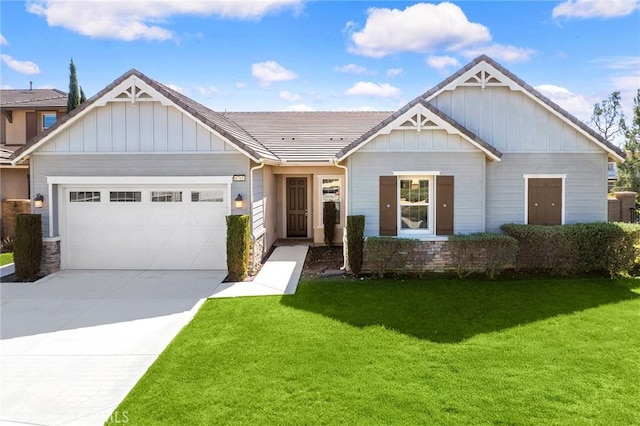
(138, 180)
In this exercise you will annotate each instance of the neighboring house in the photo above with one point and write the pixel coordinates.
(612, 175)
(24, 113)
(141, 176)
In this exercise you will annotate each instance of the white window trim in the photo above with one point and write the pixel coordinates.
(526, 193)
(320, 209)
(417, 233)
(416, 174)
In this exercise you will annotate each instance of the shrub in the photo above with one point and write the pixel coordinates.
(329, 219)
(489, 253)
(27, 246)
(578, 248)
(388, 255)
(238, 243)
(355, 242)
(6, 245)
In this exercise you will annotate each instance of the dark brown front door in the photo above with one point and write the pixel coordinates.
(444, 206)
(545, 202)
(296, 207)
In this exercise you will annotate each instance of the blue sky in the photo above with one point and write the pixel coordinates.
(323, 55)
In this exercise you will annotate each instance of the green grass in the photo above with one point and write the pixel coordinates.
(6, 258)
(404, 352)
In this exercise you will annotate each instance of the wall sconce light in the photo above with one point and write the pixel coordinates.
(38, 201)
(238, 202)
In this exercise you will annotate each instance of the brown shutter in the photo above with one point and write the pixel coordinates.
(444, 205)
(32, 124)
(388, 206)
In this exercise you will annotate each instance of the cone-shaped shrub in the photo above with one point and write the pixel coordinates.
(27, 246)
(238, 244)
(355, 242)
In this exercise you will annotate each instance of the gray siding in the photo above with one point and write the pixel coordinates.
(257, 207)
(143, 127)
(43, 165)
(585, 186)
(412, 141)
(467, 167)
(511, 121)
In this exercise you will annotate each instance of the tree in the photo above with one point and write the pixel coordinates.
(608, 118)
(629, 171)
(76, 94)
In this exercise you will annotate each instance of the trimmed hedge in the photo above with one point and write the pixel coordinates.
(389, 255)
(576, 249)
(238, 245)
(329, 219)
(489, 253)
(355, 243)
(27, 246)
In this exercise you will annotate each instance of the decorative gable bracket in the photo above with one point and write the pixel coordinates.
(133, 90)
(482, 75)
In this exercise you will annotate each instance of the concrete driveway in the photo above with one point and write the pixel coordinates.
(73, 344)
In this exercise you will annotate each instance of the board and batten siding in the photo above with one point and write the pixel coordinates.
(468, 168)
(205, 164)
(511, 121)
(141, 127)
(585, 186)
(412, 141)
(258, 202)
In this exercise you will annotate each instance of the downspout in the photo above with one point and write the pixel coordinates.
(346, 212)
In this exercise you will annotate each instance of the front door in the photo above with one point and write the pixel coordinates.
(296, 207)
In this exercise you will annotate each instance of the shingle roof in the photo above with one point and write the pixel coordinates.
(35, 98)
(307, 136)
(4, 156)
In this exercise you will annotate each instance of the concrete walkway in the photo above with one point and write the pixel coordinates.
(279, 275)
(74, 343)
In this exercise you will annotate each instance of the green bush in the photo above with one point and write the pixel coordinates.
(488, 253)
(578, 248)
(355, 242)
(329, 219)
(27, 246)
(238, 244)
(390, 255)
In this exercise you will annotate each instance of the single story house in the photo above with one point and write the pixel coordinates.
(140, 176)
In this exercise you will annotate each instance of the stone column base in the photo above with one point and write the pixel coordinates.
(50, 255)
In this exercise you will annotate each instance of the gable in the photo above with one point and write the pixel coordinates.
(142, 126)
(500, 107)
(421, 127)
(512, 121)
(138, 114)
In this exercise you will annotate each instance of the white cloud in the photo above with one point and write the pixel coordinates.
(298, 107)
(144, 19)
(578, 105)
(241, 85)
(418, 28)
(442, 62)
(177, 88)
(619, 62)
(270, 71)
(288, 96)
(394, 72)
(365, 88)
(351, 69)
(366, 108)
(585, 9)
(208, 91)
(23, 67)
(501, 52)
(3, 41)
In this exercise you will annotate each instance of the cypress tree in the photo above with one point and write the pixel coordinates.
(73, 100)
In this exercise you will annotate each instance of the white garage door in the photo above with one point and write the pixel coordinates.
(132, 227)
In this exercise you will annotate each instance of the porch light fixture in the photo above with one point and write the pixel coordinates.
(238, 202)
(38, 201)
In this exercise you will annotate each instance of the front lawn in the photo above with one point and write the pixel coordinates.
(6, 258)
(404, 352)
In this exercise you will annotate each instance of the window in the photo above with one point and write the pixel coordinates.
(84, 197)
(332, 191)
(166, 196)
(47, 120)
(125, 196)
(415, 204)
(207, 196)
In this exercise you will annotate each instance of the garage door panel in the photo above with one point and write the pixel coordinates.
(144, 234)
